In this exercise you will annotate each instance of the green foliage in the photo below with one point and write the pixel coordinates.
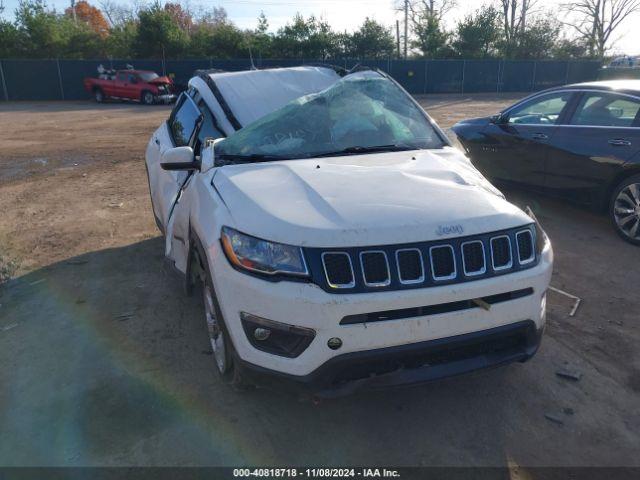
(371, 40)
(477, 35)
(171, 29)
(159, 34)
(431, 39)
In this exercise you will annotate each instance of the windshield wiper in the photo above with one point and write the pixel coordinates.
(372, 149)
(258, 157)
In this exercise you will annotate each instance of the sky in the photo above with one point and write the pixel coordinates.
(349, 14)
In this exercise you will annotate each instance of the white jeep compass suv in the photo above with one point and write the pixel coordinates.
(339, 239)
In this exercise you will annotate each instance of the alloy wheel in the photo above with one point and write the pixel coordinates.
(216, 333)
(626, 211)
(148, 98)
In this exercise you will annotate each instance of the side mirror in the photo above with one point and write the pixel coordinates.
(498, 119)
(179, 158)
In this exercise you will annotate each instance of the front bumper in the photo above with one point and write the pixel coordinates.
(307, 305)
(410, 364)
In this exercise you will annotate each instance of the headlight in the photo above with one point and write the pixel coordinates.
(261, 256)
(541, 235)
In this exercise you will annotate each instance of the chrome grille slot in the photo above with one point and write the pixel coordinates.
(375, 268)
(524, 242)
(501, 253)
(443, 262)
(410, 267)
(338, 269)
(473, 258)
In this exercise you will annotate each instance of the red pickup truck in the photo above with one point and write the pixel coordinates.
(138, 85)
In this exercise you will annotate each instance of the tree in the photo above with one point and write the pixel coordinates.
(84, 12)
(217, 40)
(477, 35)
(426, 20)
(10, 40)
(158, 34)
(431, 40)
(539, 39)
(597, 20)
(310, 38)
(372, 40)
(514, 20)
(120, 43)
(180, 16)
(41, 34)
(259, 39)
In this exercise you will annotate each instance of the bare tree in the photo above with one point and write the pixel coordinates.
(514, 18)
(596, 20)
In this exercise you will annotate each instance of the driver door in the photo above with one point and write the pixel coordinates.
(518, 144)
(165, 185)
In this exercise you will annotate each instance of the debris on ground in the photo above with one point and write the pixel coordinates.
(124, 316)
(577, 300)
(552, 417)
(37, 282)
(9, 327)
(569, 374)
(115, 205)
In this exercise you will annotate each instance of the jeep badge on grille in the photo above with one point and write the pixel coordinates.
(449, 229)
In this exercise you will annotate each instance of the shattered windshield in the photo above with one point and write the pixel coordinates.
(362, 113)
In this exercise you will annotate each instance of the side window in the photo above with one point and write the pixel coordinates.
(543, 110)
(207, 128)
(606, 110)
(122, 77)
(183, 122)
(132, 78)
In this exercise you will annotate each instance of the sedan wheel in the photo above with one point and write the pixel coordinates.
(148, 98)
(216, 332)
(626, 212)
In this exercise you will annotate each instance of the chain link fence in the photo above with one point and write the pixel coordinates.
(63, 79)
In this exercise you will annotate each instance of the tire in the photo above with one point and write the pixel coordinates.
(147, 98)
(98, 95)
(221, 345)
(624, 209)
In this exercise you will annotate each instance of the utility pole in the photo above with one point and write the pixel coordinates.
(398, 37)
(406, 27)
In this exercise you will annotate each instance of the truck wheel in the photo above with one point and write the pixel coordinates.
(98, 95)
(148, 98)
(624, 209)
(221, 345)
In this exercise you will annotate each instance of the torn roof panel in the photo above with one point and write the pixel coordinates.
(240, 98)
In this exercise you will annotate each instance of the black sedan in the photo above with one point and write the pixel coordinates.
(581, 142)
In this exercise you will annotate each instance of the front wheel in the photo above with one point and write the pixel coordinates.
(148, 98)
(98, 95)
(624, 209)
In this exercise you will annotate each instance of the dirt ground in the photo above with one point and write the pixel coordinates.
(103, 361)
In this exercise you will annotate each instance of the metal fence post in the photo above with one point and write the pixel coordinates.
(566, 77)
(426, 67)
(4, 84)
(533, 80)
(498, 78)
(60, 78)
(464, 66)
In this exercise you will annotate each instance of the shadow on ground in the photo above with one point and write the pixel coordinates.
(105, 362)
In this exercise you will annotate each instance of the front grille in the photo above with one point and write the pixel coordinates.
(410, 268)
(443, 262)
(501, 252)
(338, 269)
(524, 240)
(375, 269)
(473, 259)
(416, 265)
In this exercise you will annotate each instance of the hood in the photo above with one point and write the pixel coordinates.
(365, 200)
(161, 81)
(474, 121)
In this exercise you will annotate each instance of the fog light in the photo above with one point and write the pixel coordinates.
(276, 337)
(334, 343)
(261, 334)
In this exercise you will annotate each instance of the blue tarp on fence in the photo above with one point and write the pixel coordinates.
(63, 79)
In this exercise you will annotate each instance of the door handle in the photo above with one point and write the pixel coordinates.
(620, 142)
(539, 136)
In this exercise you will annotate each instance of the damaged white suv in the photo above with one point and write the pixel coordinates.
(340, 240)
